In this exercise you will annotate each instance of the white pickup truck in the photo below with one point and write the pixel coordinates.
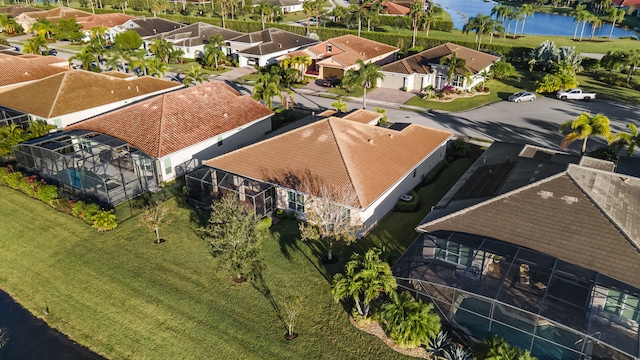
(575, 94)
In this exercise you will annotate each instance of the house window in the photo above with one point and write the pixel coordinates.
(458, 81)
(219, 139)
(454, 252)
(415, 172)
(623, 305)
(296, 201)
(167, 166)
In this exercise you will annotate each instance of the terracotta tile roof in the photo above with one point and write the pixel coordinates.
(106, 20)
(58, 13)
(196, 34)
(173, 121)
(420, 62)
(272, 40)
(626, 2)
(555, 216)
(22, 68)
(17, 9)
(146, 27)
(118, 74)
(77, 90)
(395, 9)
(363, 116)
(366, 159)
(345, 50)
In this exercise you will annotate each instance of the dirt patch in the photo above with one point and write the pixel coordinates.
(374, 328)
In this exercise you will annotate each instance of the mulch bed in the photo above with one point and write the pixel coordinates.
(374, 328)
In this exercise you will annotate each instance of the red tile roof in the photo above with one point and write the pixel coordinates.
(363, 159)
(345, 50)
(395, 9)
(106, 20)
(626, 2)
(23, 68)
(174, 121)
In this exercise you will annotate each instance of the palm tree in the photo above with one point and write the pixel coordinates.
(157, 67)
(357, 12)
(161, 49)
(194, 75)
(595, 23)
(509, 14)
(615, 15)
(583, 127)
(482, 25)
(525, 10)
(317, 6)
(43, 27)
(340, 106)
(35, 45)
(500, 12)
(613, 60)
(428, 18)
(578, 13)
(213, 51)
(366, 76)
(584, 16)
(633, 60)
(138, 61)
(307, 8)
(410, 323)
(266, 88)
(365, 279)
(262, 8)
(300, 63)
(10, 135)
(39, 128)
(86, 58)
(416, 11)
(118, 59)
(99, 32)
(453, 63)
(630, 139)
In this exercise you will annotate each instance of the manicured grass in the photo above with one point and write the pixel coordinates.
(604, 91)
(72, 48)
(183, 68)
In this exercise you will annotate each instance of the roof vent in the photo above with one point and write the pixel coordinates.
(137, 90)
(154, 31)
(112, 91)
(545, 194)
(225, 115)
(626, 180)
(569, 199)
(370, 141)
(280, 45)
(390, 136)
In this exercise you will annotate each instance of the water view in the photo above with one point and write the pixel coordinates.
(31, 338)
(539, 24)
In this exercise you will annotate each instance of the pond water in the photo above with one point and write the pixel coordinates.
(539, 24)
(31, 338)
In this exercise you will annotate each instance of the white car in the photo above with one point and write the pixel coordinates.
(522, 96)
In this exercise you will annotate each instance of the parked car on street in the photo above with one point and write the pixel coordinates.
(575, 94)
(522, 96)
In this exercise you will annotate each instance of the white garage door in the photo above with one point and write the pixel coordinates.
(393, 81)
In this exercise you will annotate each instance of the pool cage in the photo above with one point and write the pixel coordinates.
(555, 309)
(9, 117)
(206, 184)
(89, 164)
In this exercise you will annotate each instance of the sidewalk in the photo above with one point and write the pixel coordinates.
(386, 104)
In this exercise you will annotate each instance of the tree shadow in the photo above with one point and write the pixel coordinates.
(259, 283)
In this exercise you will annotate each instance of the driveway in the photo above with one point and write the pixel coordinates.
(390, 95)
(234, 74)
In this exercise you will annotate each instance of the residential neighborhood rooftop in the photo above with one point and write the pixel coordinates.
(363, 116)
(17, 9)
(272, 40)
(173, 121)
(196, 34)
(106, 20)
(22, 68)
(58, 13)
(359, 158)
(146, 27)
(343, 51)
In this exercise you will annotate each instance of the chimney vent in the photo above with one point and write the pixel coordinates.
(545, 194)
(370, 141)
(569, 199)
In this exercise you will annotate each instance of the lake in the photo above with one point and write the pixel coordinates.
(31, 338)
(539, 24)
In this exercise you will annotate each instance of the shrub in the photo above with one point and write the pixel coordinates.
(292, 215)
(3, 176)
(47, 193)
(13, 179)
(460, 147)
(281, 214)
(63, 205)
(448, 89)
(105, 220)
(434, 174)
(265, 223)
(409, 206)
(29, 185)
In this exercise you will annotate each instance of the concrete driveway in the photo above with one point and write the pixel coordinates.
(390, 95)
(234, 74)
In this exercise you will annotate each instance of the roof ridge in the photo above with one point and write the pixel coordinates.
(161, 127)
(335, 138)
(55, 100)
(489, 201)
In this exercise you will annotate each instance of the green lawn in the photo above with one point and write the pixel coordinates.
(183, 68)
(126, 297)
(604, 91)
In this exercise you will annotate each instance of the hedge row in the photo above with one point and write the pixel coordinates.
(30, 185)
(406, 21)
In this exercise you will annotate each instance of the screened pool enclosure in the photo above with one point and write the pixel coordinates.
(93, 165)
(207, 184)
(9, 117)
(555, 309)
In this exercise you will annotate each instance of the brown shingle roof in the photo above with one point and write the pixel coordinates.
(77, 90)
(16, 9)
(58, 13)
(347, 49)
(173, 121)
(272, 40)
(420, 62)
(196, 34)
(146, 27)
(22, 68)
(366, 159)
(106, 20)
(567, 223)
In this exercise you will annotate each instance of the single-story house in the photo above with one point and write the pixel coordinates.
(109, 21)
(74, 95)
(192, 38)
(286, 6)
(16, 9)
(423, 69)
(18, 70)
(27, 19)
(334, 57)
(149, 27)
(539, 247)
(373, 166)
(263, 47)
(116, 156)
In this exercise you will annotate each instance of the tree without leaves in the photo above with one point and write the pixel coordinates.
(365, 279)
(235, 235)
(583, 127)
(410, 323)
(292, 306)
(156, 216)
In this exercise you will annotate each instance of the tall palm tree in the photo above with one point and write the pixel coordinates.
(482, 25)
(366, 76)
(213, 51)
(525, 10)
(35, 45)
(583, 127)
(632, 60)
(118, 58)
(317, 6)
(428, 18)
(500, 12)
(585, 17)
(99, 32)
(595, 23)
(365, 279)
(374, 9)
(266, 88)
(43, 27)
(509, 14)
(157, 67)
(416, 11)
(262, 8)
(578, 13)
(453, 63)
(86, 58)
(358, 13)
(161, 49)
(615, 15)
(630, 139)
(307, 8)
(300, 63)
(194, 75)
(410, 323)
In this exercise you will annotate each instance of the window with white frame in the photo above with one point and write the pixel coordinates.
(454, 252)
(458, 80)
(296, 201)
(623, 305)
